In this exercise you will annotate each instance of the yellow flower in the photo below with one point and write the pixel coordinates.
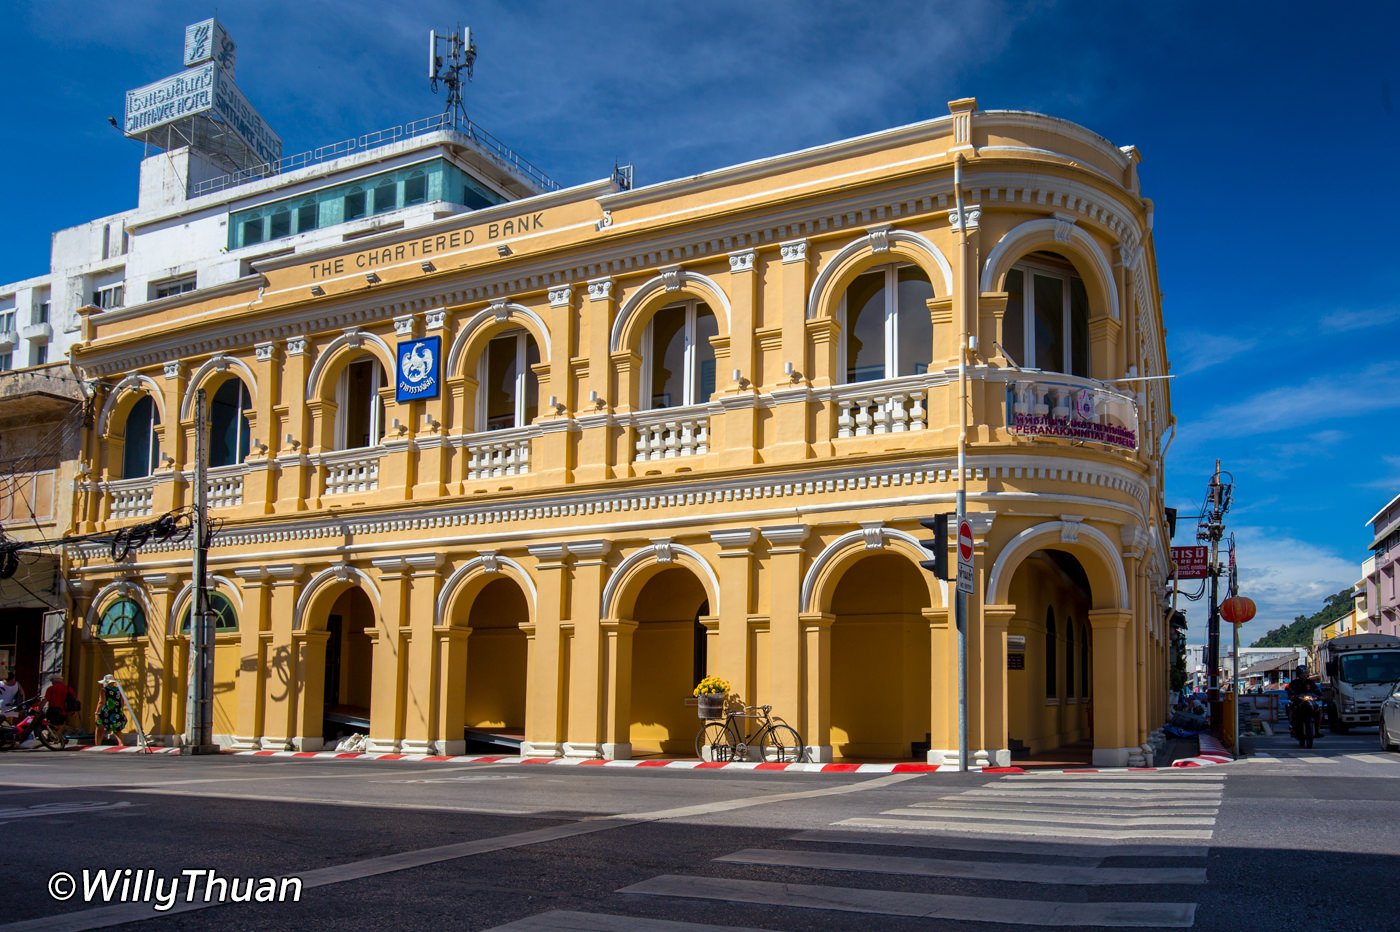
(712, 686)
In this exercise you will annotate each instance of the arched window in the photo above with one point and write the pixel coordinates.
(679, 366)
(140, 451)
(360, 406)
(1046, 325)
(225, 617)
(1069, 658)
(228, 425)
(510, 390)
(123, 618)
(885, 319)
(1051, 685)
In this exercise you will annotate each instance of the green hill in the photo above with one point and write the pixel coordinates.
(1300, 632)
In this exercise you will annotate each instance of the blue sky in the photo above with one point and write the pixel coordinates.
(1268, 133)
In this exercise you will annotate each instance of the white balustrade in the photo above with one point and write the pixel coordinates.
(888, 411)
(672, 437)
(495, 457)
(130, 498)
(353, 473)
(224, 487)
(1073, 411)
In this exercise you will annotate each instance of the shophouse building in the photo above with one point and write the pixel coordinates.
(1380, 571)
(496, 461)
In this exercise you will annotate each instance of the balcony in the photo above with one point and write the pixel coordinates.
(887, 406)
(1071, 408)
(224, 486)
(498, 453)
(671, 432)
(129, 498)
(348, 471)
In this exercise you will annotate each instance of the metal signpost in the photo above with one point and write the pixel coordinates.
(199, 710)
(965, 557)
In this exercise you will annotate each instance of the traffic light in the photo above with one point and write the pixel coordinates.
(938, 547)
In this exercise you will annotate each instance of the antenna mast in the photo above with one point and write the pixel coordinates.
(460, 56)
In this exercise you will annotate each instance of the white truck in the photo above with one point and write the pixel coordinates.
(1356, 673)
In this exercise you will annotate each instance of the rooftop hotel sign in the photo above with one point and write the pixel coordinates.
(204, 90)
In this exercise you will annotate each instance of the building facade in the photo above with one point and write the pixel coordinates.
(1381, 569)
(683, 429)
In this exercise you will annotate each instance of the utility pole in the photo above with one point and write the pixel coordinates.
(960, 598)
(199, 709)
(1212, 529)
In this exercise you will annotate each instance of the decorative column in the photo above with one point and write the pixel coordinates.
(617, 687)
(993, 736)
(450, 726)
(544, 667)
(784, 585)
(391, 637)
(594, 453)
(171, 664)
(280, 677)
(731, 658)
(588, 673)
(309, 688)
(816, 684)
(420, 684)
(1115, 719)
(252, 657)
(296, 475)
(943, 675)
(260, 483)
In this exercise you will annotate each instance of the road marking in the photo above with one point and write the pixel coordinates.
(105, 916)
(1063, 812)
(1060, 830)
(1018, 849)
(1087, 818)
(1120, 785)
(1066, 804)
(969, 870)
(1007, 793)
(350, 803)
(922, 905)
(48, 810)
(568, 920)
(1373, 758)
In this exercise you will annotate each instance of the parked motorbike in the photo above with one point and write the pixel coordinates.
(31, 724)
(1305, 716)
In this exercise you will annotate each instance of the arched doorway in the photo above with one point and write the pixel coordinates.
(668, 658)
(1049, 702)
(349, 666)
(494, 706)
(881, 683)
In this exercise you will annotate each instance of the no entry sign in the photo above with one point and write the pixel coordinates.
(965, 557)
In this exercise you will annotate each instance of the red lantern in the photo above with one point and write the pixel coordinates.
(1237, 610)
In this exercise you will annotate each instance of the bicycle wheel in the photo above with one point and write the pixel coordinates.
(783, 745)
(715, 742)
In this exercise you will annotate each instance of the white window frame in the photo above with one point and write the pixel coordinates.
(483, 373)
(7, 320)
(690, 378)
(245, 399)
(109, 297)
(342, 398)
(891, 271)
(1026, 359)
(152, 447)
(181, 284)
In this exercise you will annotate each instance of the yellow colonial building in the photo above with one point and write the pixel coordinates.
(529, 468)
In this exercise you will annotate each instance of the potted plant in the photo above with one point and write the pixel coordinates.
(712, 692)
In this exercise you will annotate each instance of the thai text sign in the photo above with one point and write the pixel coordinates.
(419, 372)
(1041, 425)
(1191, 562)
(205, 89)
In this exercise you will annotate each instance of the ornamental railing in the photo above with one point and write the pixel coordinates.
(348, 471)
(671, 432)
(1071, 408)
(224, 485)
(494, 454)
(130, 498)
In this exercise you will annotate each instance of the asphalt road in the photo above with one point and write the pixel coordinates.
(1303, 838)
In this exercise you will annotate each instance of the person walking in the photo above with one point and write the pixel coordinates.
(60, 702)
(111, 715)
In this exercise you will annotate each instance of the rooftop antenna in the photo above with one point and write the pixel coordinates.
(460, 56)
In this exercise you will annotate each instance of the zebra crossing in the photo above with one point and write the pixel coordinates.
(1320, 762)
(1044, 850)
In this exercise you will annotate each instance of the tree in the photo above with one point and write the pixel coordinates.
(1299, 633)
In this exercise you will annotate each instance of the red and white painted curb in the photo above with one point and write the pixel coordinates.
(1212, 753)
(651, 764)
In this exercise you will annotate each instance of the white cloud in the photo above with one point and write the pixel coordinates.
(1195, 351)
(1322, 399)
(1285, 577)
(1346, 321)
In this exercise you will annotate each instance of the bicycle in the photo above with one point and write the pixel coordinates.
(725, 741)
